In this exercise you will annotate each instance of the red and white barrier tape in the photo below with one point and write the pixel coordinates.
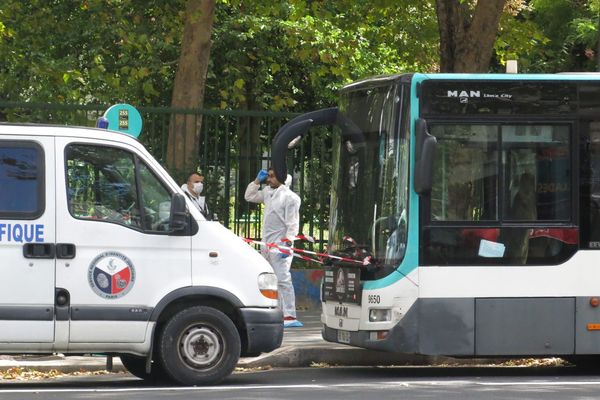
(294, 252)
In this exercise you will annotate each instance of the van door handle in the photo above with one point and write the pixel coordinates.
(65, 250)
(38, 250)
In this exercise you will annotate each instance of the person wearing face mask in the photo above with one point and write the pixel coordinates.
(193, 189)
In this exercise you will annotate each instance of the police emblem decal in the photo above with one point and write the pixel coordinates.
(111, 275)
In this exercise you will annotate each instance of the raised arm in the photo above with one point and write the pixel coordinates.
(253, 193)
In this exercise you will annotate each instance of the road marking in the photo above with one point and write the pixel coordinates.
(539, 383)
(161, 389)
(374, 385)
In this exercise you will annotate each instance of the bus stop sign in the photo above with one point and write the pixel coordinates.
(124, 118)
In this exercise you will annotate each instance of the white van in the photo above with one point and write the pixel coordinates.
(100, 252)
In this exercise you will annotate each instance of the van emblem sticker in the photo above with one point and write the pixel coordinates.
(111, 275)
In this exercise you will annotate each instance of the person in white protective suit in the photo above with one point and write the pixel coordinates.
(281, 220)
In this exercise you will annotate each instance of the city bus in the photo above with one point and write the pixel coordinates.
(465, 214)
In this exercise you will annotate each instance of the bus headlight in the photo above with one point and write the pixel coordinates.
(380, 315)
(267, 284)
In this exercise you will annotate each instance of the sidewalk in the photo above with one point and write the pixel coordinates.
(302, 347)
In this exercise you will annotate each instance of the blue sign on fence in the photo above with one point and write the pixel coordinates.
(124, 118)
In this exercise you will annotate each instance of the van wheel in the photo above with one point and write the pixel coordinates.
(199, 346)
(136, 365)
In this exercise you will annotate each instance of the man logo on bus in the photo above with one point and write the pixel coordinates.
(111, 275)
(464, 93)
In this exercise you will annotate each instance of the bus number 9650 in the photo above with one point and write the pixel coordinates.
(374, 299)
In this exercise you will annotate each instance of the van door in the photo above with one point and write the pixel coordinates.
(26, 240)
(119, 259)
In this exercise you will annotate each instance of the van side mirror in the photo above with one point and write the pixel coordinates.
(179, 217)
(425, 153)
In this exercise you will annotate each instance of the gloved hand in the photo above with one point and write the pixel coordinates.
(262, 175)
(284, 255)
(285, 243)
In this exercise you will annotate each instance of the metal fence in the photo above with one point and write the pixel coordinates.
(234, 145)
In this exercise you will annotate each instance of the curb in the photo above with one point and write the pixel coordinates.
(296, 357)
(65, 365)
(284, 357)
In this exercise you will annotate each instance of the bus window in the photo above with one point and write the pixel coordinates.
(369, 198)
(465, 173)
(538, 169)
(590, 185)
(500, 208)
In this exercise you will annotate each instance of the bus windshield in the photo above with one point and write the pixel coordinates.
(370, 177)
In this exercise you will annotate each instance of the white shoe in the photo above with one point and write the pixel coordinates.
(292, 323)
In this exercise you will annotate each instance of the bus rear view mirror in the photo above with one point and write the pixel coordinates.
(282, 142)
(292, 132)
(425, 153)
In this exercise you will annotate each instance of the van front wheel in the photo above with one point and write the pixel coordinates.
(199, 346)
(136, 365)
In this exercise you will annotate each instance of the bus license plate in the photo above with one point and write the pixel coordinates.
(343, 336)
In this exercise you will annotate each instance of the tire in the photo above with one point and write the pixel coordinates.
(587, 362)
(136, 365)
(199, 346)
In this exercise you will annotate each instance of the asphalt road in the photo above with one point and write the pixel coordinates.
(462, 383)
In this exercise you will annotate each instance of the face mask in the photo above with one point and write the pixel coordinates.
(198, 187)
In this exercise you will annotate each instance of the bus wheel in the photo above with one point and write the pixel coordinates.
(587, 362)
(136, 365)
(199, 346)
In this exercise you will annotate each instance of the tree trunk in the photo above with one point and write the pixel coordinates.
(188, 89)
(467, 36)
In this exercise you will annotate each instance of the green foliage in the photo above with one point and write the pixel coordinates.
(289, 55)
(585, 30)
(552, 36)
(294, 55)
(523, 40)
(89, 51)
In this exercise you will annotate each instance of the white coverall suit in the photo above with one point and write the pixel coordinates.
(281, 220)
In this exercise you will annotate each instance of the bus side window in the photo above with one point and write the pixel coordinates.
(523, 207)
(501, 196)
(590, 186)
